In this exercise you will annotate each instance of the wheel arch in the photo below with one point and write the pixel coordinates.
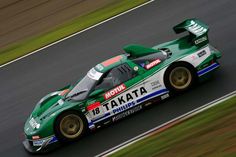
(177, 63)
(182, 62)
(69, 110)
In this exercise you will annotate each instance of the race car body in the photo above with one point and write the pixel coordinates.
(121, 86)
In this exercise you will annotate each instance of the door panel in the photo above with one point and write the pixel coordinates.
(117, 99)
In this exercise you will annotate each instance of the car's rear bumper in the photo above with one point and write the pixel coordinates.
(215, 51)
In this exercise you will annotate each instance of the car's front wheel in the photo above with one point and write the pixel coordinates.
(179, 77)
(70, 126)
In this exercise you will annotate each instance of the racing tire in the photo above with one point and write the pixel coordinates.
(70, 126)
(180, 77)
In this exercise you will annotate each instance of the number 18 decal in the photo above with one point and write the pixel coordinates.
(95, 109)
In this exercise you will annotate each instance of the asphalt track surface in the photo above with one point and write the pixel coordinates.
(24, 82)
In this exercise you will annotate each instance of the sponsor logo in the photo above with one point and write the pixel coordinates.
(46, 141)
(114, 91)
(127, 113)
(124, 98)
(193, 57)
(152, 64)
(124, 107)
(202, 53)
(195, 28)
(155, 85)
(39, 142)
(198, 41)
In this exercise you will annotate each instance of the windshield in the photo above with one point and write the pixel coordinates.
(85, 86)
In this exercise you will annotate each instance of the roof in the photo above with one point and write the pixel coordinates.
(132, 52)
(111, 63)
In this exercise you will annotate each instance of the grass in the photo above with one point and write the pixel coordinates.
(211, 133)
(28, 45)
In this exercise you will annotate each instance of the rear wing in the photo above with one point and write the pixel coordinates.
(198, 31)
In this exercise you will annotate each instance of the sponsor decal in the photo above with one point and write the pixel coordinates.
(127, 113)
(195, 28)
(125, 98)
(156, 84)
(114, 91)
(124, 107)
(99, 67)
(152, 64)
(95, 110)
(120, 104)
(200, 40)
(39, 142)
(202, 53)
(47, 140)
(193, 57)
(111, 61)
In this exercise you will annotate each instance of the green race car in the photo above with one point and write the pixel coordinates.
(121, 86)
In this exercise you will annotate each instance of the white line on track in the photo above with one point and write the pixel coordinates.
(86, 29)
(177, 119)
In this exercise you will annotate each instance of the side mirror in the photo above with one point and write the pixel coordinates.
(96, 92)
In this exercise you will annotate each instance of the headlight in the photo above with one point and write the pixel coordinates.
(33, 123)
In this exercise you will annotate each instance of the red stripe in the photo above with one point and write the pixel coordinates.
(93, 106)
(111, 61)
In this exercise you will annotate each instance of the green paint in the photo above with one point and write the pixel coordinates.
(52, 105)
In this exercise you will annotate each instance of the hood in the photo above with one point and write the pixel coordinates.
(46, 103)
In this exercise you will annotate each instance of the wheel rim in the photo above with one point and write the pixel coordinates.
(71, 126)
(180, 78)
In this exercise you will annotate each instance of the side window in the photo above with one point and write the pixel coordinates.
(121, 74)
(116, 76)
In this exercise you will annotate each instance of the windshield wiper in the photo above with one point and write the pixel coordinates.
(75, 94)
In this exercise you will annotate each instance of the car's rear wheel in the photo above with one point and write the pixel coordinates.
(70, 126)
(179, 77)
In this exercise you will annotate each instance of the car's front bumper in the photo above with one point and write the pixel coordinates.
(40, 145)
